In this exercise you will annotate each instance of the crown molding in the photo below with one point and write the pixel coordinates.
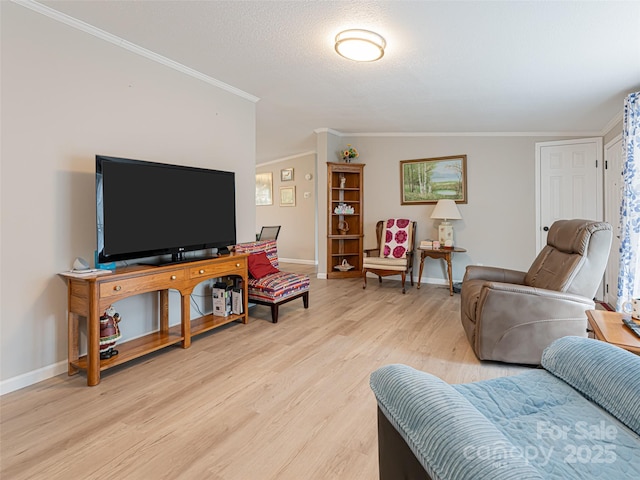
(472, 134)
(329, 130)
(96, 32)
(284, 159)
(465, 134)
(612, 123)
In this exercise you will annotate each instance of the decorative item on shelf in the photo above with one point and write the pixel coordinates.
(344, 209)
(109, 333)
(349, 153)
(344, 266)
(343, 227)
(343, 181)
(446, 210)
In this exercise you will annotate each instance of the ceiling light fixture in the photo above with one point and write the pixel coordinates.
(360, 45)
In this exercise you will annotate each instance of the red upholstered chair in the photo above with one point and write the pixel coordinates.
(274, 287)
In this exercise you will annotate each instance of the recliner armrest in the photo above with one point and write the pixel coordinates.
(538, 292)
(443, 429)
(494, 274)
(521, 320)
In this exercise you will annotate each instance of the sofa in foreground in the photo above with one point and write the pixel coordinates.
(577, 417)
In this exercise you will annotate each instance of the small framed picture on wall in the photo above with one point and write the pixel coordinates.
(287, 196)
(286, 174)
(264, 188)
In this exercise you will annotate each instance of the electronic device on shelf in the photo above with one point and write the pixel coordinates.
(631, 325)
(146, 209)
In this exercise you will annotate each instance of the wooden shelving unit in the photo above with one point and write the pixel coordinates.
(346, 186)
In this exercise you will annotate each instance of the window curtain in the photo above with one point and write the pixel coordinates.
(629, 273)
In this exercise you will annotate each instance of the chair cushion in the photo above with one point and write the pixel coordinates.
(267, 246)
(613, 374)
(259, 265)
(396, 238)
(399, 264)
(277, 286)
(571, 261)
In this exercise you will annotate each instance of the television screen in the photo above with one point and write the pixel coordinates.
(146, 209)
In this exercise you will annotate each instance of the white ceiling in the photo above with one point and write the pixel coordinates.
(553, 67)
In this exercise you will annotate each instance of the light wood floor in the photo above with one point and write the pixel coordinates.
(256, 401)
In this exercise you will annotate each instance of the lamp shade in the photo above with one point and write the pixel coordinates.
(446, 210)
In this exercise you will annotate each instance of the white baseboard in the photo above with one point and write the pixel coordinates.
(423, 281)
(433, 281)
(297, 260)
(30, 378)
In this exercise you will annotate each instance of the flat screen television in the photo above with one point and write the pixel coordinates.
(146, 209)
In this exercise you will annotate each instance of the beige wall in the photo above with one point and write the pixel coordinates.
(498, 225)
(296, 241)
(67, 96)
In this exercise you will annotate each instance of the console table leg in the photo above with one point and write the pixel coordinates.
(164, 311)
(185, 314)
(421, 267)
(72, 342)
(93, 338)
(450, 277)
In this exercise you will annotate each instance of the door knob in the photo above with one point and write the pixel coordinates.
(546, 229)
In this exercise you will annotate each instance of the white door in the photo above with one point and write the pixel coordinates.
(612, 202)
(568, 183)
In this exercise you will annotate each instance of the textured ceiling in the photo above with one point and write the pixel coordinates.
(556, 67)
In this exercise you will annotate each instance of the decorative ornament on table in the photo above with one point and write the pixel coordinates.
(349, 153)
(109, 333)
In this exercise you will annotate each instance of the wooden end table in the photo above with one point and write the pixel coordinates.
(444, 254)
(608, 327)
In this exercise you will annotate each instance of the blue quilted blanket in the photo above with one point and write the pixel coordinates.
(579, 418)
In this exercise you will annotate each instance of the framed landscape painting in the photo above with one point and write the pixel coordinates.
(430, 179)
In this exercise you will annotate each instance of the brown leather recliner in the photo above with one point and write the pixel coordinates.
(512, 316)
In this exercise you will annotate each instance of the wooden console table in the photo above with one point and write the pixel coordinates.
(608, 327)
(443, 253)
(89, 296)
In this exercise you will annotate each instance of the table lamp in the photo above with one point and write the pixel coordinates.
(446, 210)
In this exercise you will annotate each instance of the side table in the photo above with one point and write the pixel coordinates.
(443, 253)
(608, 327)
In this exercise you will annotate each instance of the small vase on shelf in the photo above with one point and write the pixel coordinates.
(349, 154)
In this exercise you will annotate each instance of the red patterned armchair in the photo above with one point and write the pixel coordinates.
(267, 284)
